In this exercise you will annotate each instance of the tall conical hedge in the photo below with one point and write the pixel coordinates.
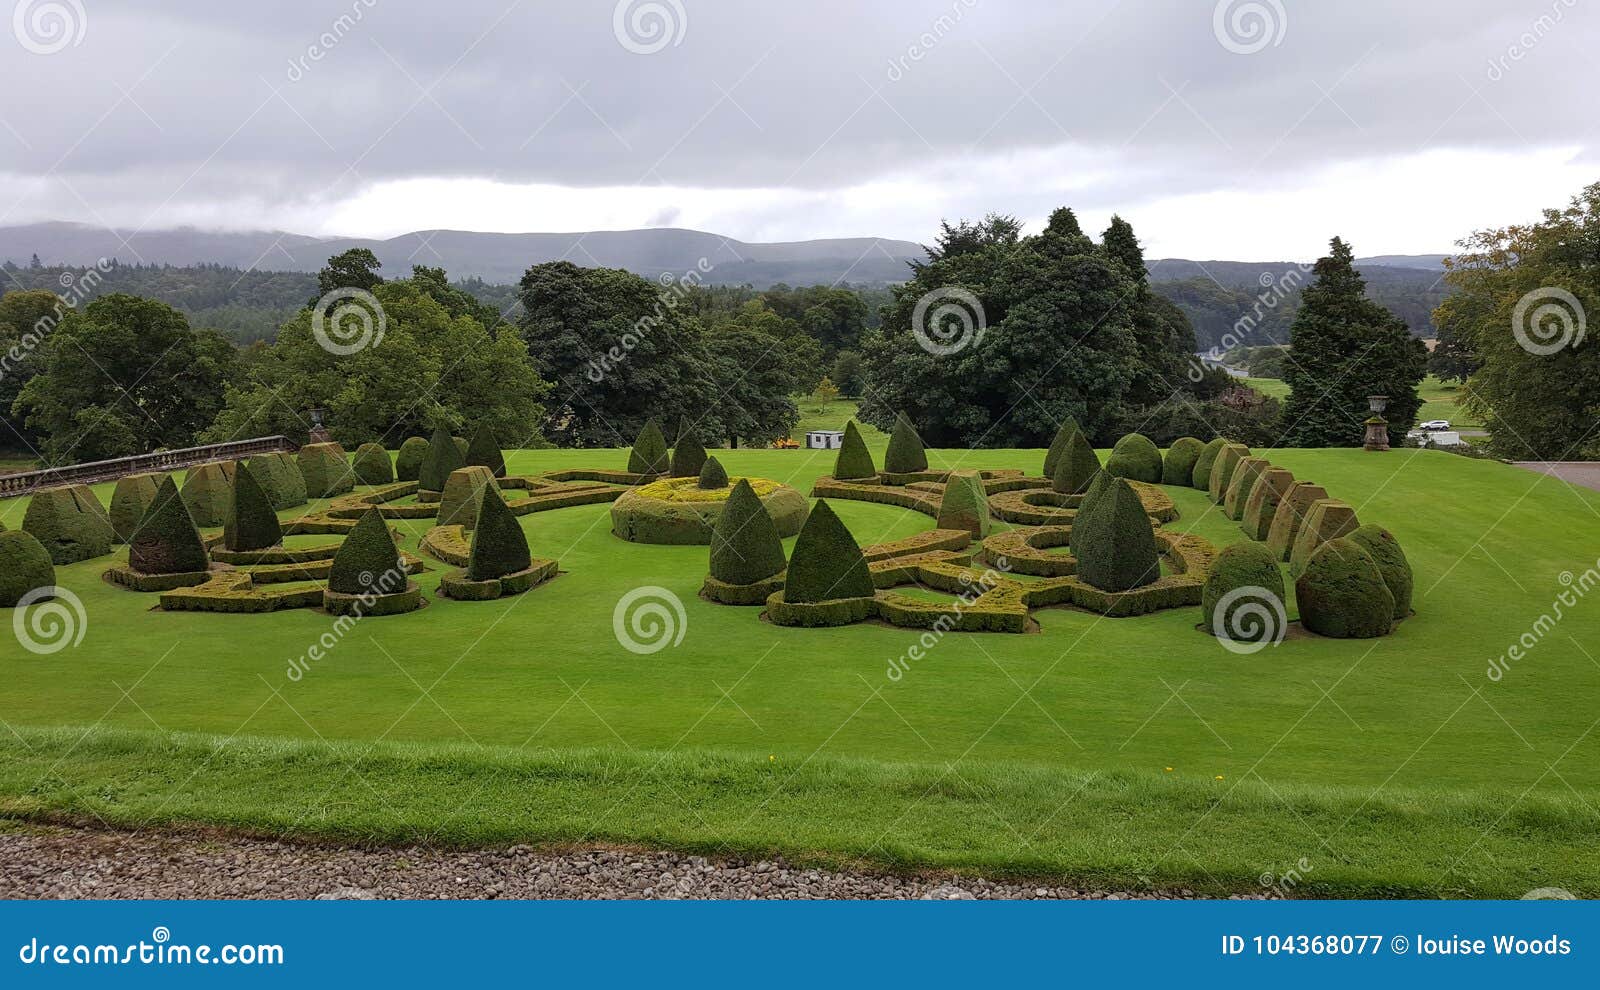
(443, 457)
(712, 475)
(1059, 445)
(905, 454)
(251, 523)
(649, 454)
(1091, 495)
(965, 504)
(499, 546)
(167, 541)
(1115, 544)
(372, 465)
(854, 460)
(688, 454)
(484, 451)
(827, 563)
(1077, 466)
(745, 547)
(408, 462)
(133, 495)
(368, 550)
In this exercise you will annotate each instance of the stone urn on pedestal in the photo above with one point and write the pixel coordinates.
(1377, 437)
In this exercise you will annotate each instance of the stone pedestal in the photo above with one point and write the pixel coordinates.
(1377, 434)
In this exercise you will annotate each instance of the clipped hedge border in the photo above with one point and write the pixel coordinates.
(365, 606)
(447, 544)
(235, 592)
(901, 479)
(456, 587)
(627, 478)
(273, 555)
(906, 570)
(139, 581)
(1023, 551)
(562, 498)
(1035, 507)
(882, 494)
(933, 539)
(837, 612)
(757, 593)
(991, 612)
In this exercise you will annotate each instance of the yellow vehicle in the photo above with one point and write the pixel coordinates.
(786, 443)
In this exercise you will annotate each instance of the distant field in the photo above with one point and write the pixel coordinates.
(1439, 399)
(815, 415)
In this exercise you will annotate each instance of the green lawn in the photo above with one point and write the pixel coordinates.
(1438, 399)
(818, 415)
(1393, 765)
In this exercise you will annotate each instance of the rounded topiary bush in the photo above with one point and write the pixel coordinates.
(745, 546)
(905, 455)
(712, 476)
(365, 558)
(372, 465)
(443, 457)
(499, 547)
(1341, 593)
(1385, 551)
(1059, 445)
(1244, 586)
(1114, 542)
(1201, 478)
(688, 455)
(649, 454)
(280, 478)
(1136, 458)
(207, 490)
(133, 495)
(827, 563)
(251, 523)
(484, 451)
(70, 522)
(408, 462)
(24, 565)
(854, 460)
(326, 468)
(167, 541)
(1077, 466)
(1177, 468)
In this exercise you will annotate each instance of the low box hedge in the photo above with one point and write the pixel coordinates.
(365, 605)
(812, 615)
(755, 593)
(138, 581)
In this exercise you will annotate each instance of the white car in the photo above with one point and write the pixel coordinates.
(1434, 424)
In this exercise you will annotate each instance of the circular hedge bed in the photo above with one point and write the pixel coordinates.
(678, 511)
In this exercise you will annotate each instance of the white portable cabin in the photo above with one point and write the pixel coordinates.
(824, 439)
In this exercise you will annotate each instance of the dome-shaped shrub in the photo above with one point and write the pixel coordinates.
(280, 478)
(484, 451)
(1059, 445)
(167, 541)
(649, 454)
(688, 454)
(1177, 468)
(745, 547)
(1238, 567)
(827, 563)
(207, 490)
(499, 547)
(372, 465)
(133, 495)
(854, 460)
(367, 554)
(1201, 478)
(408, 462)
(326, 468)
(24, 565)
(443, 457)
(1341, 593)
(251, 523)
(1076, 467)
(1114, 542)
(70, 522)
(965, 504)
(1385, 551)
(905, 454)
(712, 475)
(1136, 458)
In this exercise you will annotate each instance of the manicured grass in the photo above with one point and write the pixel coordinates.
(816, 415)
(1314, 733)
(1276, 388)
(1438, 399)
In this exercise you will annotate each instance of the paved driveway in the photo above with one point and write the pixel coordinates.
(1585, 473)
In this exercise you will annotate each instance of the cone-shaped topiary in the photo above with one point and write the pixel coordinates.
(854, 460)
(24, 565)
(1385, 551)
(280, 478)
(499, 546)
(1341, 593)
(1077, 466)
(372, 465)
(207, 490)
(366, 555)
(251, 523)
(1091, 495)
(1242, 615)
(827, 563)
(484, 451)
(408, 462)
(965, 504)
(1058, 446)
(745, 547)
(443, 458)
(1201, 478)
(649, 454)
(905, 454)
(167, 541)
(1136, 458)
(1177, 468)
(1114, 542)
(712, 476)
(130, 500)
(688, 456)
(462, 446)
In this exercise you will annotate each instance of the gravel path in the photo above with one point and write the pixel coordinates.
(56, 862)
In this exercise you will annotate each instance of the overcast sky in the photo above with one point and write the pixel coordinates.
(1246, 129)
